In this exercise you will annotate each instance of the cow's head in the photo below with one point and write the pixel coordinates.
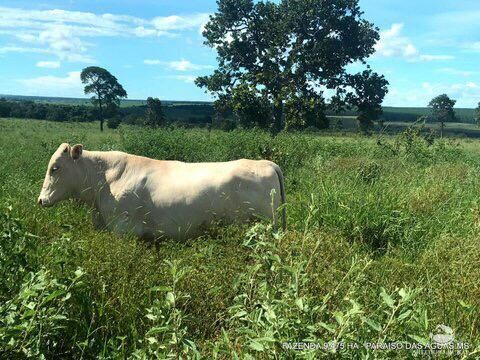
(62, 175)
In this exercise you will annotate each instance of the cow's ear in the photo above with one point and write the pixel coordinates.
(66, 148)
(76, 151)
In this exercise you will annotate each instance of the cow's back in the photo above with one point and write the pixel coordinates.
(180, 198)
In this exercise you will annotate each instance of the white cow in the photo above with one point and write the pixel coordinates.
(155, 198)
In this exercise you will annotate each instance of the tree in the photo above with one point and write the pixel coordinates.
(303, 112)
(370, 89)
(5, 108)
(154, 116)
(442, 110)
(286, 50)
(106, 91)
(57, 113)
(114, 122)
(477, 114)
(249, 108)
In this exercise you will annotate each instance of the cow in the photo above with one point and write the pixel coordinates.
(162, 198)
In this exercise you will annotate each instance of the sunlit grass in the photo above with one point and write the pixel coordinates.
(382, 245)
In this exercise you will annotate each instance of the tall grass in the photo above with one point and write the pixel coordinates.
(382, 246)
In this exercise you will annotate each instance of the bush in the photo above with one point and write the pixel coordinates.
(227, 125)
(16, 245)
(114, 122)
(33, 323)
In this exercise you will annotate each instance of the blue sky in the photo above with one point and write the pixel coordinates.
(155, 47)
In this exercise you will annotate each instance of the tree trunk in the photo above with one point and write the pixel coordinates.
(100, 113)
(277, 116)
(442, 125)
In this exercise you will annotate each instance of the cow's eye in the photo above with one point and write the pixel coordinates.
(55, 168)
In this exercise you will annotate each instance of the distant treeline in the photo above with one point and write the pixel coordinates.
(182, 113)
(196, 114)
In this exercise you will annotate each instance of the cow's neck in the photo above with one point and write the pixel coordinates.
(95, 167)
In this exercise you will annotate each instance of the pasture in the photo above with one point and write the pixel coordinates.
(382, 246)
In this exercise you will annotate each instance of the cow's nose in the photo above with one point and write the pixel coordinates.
(39, 201)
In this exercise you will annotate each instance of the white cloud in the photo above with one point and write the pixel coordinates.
(61, 33)
(59, 40)
(22, 49)
(185, 65)
(175, 22)
(179, 65)
(48, 64)
(393, 44)
(68, 86)
(142, 31)
(435, 57)
(185, 78)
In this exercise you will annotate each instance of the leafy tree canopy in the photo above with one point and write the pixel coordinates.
(291, 49)
(370, 89)
(442, 110)
(154, 115)
(105, 88)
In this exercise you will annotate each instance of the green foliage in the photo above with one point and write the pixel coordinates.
(105, 88)
(114, 122)
(275, 306)
(16, 244)
(167, 335)
(270, 51)
(370, 89)
(154, 116)
(33, 322)
(5, 108)
(305, 112)
(477, 114)
(249, 108)
(381, 246)
(442, 110)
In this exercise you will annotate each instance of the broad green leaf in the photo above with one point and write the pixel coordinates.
(387, 299)
(255, 345)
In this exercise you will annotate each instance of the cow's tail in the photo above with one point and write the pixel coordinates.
(282, 195)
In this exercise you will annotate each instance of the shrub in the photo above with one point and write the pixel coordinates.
(16, 245)
(33, 322)
(114, 122)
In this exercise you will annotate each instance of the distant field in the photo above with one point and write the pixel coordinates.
(456, 129)
(86, 101)
(382, 245)
(411, 114)
(394, 114)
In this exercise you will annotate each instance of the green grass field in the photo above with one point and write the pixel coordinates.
(382, 246)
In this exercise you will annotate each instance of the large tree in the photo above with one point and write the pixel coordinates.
(106, 91)
(367, 97)
(442, 110)
(285, 51)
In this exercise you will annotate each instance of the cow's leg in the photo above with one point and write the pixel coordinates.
(124, 224)
(120, 223)
(97, 220)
